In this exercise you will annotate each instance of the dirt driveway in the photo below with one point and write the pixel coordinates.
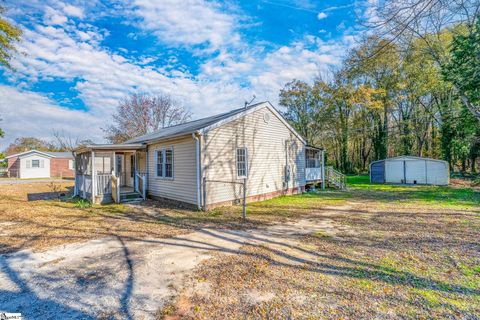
(372, 252)
(125, 279)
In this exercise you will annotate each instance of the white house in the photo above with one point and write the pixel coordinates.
(203, 163)
(40, 164)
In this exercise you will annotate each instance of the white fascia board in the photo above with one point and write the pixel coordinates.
(22, 154)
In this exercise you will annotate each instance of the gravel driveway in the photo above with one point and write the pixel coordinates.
(28, 181)
(123, 279)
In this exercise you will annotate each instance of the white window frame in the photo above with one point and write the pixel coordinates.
(32, 166)
(71, 164)
(237, 163)
(163, 153)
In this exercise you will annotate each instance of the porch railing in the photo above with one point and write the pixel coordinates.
(141, 184)
(104, 183)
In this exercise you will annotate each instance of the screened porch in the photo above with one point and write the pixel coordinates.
(314, 164)
(104, 173)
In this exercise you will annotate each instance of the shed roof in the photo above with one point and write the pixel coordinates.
(407, 157)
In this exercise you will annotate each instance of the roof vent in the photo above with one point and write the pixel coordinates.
(266, 117)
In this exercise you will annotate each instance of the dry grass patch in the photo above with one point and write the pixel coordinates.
(388, 263)
(32, 217)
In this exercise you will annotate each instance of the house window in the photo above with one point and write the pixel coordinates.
(165, 163)
(242, 159)
(35, 163)
(71, 164)
(159, 163)
(169, 163)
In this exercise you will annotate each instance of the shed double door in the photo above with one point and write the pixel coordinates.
(415, 172)
(406, 171)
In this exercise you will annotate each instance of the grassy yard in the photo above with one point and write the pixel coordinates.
(398, 252)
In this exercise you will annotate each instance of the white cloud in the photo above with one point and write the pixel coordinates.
(73, 11)
(27, 113)
(74, 52)
(190, 23)
(54, 17)
(322, 15)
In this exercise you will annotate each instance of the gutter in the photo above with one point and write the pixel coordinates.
(196, 136)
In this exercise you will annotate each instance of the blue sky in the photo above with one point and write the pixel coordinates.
(77, 59)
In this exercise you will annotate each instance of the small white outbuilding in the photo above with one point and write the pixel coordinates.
(410, 170)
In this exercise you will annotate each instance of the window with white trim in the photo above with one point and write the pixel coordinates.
(164, 163)
(71, 164)
(159, 163)
(35, 163)
(242, 158)
(168, 163)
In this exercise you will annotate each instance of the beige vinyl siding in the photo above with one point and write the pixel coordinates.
(183, 186)
(267, 156)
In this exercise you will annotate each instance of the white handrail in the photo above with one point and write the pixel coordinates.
(336, 178)
(143, 178)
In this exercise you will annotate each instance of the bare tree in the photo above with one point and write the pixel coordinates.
(140, 114)
(65, 142)
(401, 21)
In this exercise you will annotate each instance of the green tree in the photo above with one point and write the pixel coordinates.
(303, 103)
(9, 34)
(28, 143)
(2, 163)
(463, 68)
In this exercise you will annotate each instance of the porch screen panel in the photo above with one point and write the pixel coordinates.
(103, 162)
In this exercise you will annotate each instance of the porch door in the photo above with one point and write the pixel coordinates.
(132, 170)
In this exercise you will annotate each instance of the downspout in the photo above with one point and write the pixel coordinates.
(196, 136)
(93, 188)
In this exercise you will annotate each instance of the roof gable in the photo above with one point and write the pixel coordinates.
(47, 154)
(26, 153)
(250, 110)
(206, 124)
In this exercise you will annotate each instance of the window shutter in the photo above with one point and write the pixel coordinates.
(42, 163)
(156, 163)
(29, 164)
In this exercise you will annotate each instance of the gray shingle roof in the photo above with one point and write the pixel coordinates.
(188, 127)
(60, 154)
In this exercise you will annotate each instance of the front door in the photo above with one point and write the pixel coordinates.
(119, 168)
(132, 170)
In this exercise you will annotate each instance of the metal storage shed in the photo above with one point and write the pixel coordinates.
(410, 170)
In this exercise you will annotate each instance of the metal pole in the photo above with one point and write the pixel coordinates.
(93, 180)
(323, 169)
(204, 193)
(244, 212)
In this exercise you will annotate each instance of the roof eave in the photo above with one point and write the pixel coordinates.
(110, 147)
